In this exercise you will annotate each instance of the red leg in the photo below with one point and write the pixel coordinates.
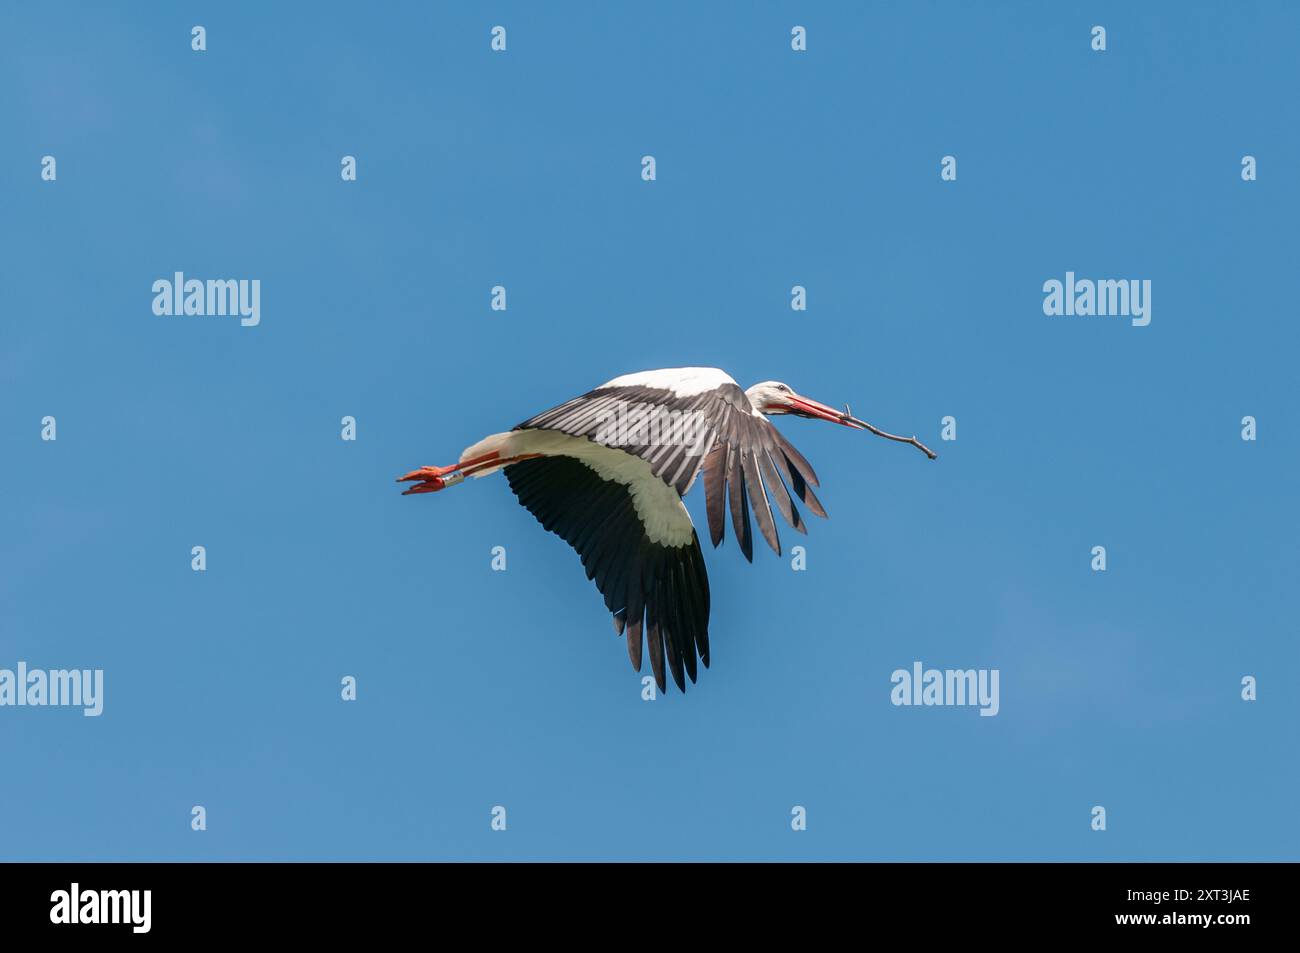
(433, 479)
(501, 463)
(430, 473)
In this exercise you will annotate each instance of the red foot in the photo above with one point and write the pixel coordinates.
(431, 479)
(428, 473)
(429, 486)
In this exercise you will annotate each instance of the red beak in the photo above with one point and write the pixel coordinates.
(807, 407)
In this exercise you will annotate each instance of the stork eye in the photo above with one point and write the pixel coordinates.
(784, 389)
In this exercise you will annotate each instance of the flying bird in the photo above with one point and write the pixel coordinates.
(607, 471)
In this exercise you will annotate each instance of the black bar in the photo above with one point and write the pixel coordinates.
(188, 902)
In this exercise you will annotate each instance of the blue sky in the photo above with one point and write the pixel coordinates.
(775, 168)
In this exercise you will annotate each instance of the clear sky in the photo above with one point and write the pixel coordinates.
(523, 169)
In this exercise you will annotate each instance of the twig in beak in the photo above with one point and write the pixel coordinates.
(889, 436)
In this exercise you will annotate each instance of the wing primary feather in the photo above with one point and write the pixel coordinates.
(758, 500)
(654, 639)
(778, 492)
(634, 643)
(672, 634)
(739, 506)
(803, 490)
(686, 616)
(700, 582)
(656, 647)
(715, 491)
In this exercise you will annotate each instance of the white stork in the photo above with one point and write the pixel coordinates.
(607, 472)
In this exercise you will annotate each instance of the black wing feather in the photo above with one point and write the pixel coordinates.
(667, 586)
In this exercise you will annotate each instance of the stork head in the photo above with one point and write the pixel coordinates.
(773, 397)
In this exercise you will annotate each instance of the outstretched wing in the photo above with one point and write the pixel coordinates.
(687, 419)
(637, 543)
